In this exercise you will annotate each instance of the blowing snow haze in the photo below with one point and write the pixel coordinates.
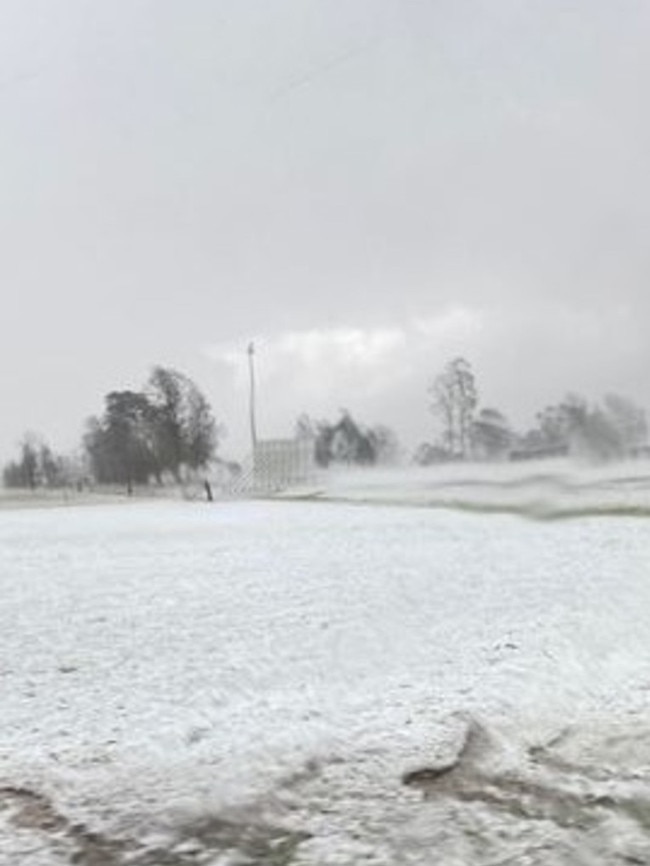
(364, 188)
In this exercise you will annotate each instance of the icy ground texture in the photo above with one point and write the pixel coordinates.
(286, 683)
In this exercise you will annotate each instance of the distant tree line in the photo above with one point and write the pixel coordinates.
(614, 428)
(37, 466)
(165, 430)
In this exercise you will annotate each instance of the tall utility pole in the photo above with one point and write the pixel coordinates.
(251, 370)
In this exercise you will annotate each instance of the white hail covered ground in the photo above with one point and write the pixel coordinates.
(280, 666)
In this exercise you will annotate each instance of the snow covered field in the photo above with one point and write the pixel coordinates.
(322, 683)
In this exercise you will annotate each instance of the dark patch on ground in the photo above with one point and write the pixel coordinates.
(545, 788)
(196, 842)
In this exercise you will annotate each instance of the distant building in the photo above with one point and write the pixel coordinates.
(282, 463)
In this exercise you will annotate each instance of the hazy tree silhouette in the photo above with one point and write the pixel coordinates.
(144, 434)
(454, 399)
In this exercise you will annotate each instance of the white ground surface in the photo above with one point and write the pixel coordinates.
(249, 683)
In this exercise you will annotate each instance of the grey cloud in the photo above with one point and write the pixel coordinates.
(176, 176)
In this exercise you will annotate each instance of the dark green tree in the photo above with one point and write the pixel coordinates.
(121, 445)
(186, 434)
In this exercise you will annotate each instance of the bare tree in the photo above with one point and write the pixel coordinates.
(454, 399)
(37, 466)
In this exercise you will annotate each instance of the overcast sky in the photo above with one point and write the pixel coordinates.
(366, 188)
